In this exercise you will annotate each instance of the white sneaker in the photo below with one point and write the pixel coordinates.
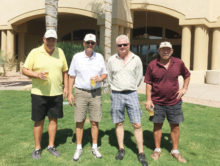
(96, 153)
(77, 154)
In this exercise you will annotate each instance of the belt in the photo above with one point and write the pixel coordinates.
(124, 91)
(90, 91)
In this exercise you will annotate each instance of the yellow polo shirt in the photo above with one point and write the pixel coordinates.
(39, 60)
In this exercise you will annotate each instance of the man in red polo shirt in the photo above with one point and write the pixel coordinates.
(164, 95)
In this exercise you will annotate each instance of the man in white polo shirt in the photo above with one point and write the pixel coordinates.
(87, 71)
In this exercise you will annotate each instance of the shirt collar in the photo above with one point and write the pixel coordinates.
(172, 60)
(131, 55)
(42, 49)
(92, 57)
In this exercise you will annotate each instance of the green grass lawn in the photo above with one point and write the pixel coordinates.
(199, 140)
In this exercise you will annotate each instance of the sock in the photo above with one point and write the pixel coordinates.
(50, 147)
(176, 151)
(94, 146)
(36, 149)
(79, 146)
(157, 149)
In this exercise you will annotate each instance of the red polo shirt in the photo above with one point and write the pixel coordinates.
(165, 81)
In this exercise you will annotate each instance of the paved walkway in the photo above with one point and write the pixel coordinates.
(203, 94)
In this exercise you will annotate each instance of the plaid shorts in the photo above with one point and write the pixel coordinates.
(128, 100)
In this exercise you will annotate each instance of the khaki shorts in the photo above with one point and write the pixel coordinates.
(88, 99)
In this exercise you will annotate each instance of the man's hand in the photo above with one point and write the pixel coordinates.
(41, 75)
(71, 99)
(65, 92)
(98, 79)
(180, 93)
(149, 104)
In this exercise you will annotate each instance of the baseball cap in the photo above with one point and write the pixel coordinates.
(90, 37)
(50, 33)
(165, 44)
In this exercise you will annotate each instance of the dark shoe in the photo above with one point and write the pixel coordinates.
(36, 154)
(53, 151)
(142, 159)
(120, 154)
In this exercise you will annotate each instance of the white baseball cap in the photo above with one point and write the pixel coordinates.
(90, 37)
(50, 33)
(165, 44)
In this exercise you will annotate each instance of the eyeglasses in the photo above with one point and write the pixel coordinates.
(124, 44)
(92, 43)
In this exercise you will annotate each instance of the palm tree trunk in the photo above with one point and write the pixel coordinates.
(108, 28)
(51, 7)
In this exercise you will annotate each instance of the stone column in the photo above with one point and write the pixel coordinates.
(127, 32)
(215, 62)
(115, 32)
(4, 42)
(102, 37)
(21, 46)
(121, 30)
(201, 48)
(10, 44)
(186, 45)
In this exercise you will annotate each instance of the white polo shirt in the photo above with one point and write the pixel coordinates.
(83, 68)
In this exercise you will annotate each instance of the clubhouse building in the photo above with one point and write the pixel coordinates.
(193, 27)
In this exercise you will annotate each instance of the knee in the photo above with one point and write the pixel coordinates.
(79, 124)
(94, 124)
(120, 124)
(136, 125)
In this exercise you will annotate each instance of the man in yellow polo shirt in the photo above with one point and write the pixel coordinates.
(47, 67)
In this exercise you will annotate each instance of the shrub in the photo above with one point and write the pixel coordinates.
(70, 49)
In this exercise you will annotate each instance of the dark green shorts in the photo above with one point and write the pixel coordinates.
(51, 106)
(173, 113)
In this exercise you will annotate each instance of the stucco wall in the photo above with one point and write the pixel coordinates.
(208, 9)
(10, 9)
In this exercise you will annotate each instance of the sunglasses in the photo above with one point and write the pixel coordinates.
(92, 43)
(120, 45)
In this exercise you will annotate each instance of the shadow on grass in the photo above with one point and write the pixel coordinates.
(61, 137)
(149, 140)
(128, 142)
(87, 138)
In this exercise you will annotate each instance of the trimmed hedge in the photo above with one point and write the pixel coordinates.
(70, 49)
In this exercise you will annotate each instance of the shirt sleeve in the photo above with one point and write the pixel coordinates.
(29, 62)
(109, 78)
(148, 75)
(65, 66)
(139, 71)
(184, 71)
(103, 66)
(72, 69)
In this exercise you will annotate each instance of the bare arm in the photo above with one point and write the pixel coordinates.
(100, 78)
(149, 102)
(32, 74)
(70, 88)
(183, 90)
(65, 82)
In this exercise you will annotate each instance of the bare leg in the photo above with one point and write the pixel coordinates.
(138, 134)
(174, 135)
(79, 132)
(38, 129)
(157, 134)
(52, 129)
(94, 132)
(119, 129)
